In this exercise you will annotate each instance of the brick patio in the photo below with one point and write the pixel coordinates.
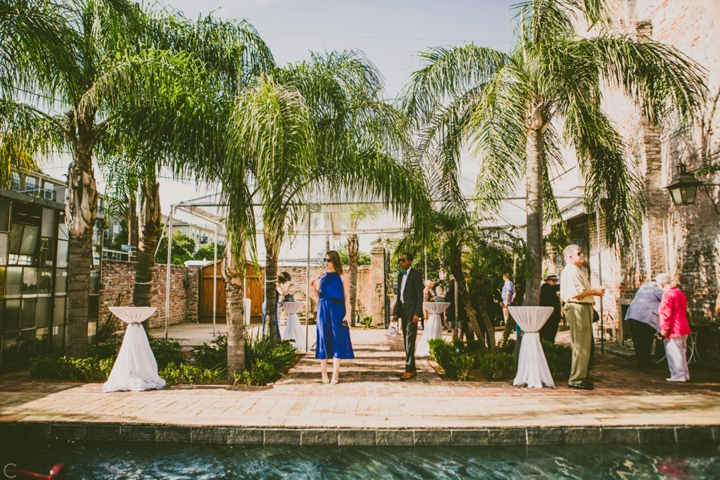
(372, 406)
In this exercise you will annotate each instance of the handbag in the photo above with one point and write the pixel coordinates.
(596, 316)
(392, 330)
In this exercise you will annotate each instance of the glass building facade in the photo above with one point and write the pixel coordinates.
(33, 277)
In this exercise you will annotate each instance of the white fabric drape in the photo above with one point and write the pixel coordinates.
(433, 327)
(533, 370)
(135, 368)
(293, 330)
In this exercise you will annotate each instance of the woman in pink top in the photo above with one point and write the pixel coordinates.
(674, 327)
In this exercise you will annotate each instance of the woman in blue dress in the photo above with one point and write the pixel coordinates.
(333, 330)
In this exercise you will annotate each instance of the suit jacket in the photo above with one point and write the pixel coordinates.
(413, 296)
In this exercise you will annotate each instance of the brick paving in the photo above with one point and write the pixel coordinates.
(371, 396)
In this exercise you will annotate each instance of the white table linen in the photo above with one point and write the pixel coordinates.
(135, 367)
(293, 330)
(433, 326)
(533, 370)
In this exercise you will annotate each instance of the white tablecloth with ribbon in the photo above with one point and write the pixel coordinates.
(135, 367)
(433, 326)
(533, 370)
(293, 330)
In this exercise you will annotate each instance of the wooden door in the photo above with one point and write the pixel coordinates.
(206, 294)
(255, 291)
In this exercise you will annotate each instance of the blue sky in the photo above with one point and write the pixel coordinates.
(389, 32)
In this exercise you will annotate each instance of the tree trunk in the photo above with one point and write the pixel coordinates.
(533, 187)
(81, 213)
(353, 248)
(133, 227)
(233, 276)
(271, 260)
(150, 220)
(464, 294)
(488, 322)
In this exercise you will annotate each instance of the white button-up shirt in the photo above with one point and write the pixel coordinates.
(402, 285)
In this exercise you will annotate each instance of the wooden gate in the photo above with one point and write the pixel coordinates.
(205, 315)
(254, 282)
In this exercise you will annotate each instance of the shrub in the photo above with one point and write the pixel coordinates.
(261, 373)
(464, 364)
(167, 352)
(105, 350)
(559, 359)
(507, 346)
(69, 368)
(367, 321)
(189, 374)
(280, 354)
(497, 366)
(213, 356)
(445, 355)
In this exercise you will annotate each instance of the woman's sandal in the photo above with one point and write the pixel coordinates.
(325, 378)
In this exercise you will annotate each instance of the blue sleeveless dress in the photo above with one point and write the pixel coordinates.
(333, 340)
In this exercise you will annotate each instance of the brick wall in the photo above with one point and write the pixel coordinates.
(683, 241)
(118, 277)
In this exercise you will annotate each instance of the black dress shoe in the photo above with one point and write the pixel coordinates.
(582, 386)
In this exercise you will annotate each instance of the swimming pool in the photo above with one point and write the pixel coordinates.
(184, 461)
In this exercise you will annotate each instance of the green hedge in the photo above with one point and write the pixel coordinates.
(265, 360)
(69, 368)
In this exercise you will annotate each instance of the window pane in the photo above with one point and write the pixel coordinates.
(4, 214)
(58, 339)
(45, 281)
(63, 232)
(42, 312)
(16, 232)
(46, 254)
(10, 350)
(42, 341)
(30, 281)
(60, 281)
(4, 240)
(27, 345)
(48, 223)
(28, 313)
(59, 311)
(62, 256)
(13, 286)
(29, 240)
(11, 319)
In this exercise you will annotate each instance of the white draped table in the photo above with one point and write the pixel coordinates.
(533, 370)
(135, 368)
(433, 327)
(293, 330)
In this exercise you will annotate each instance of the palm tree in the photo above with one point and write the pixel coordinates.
(93, 102)
(235, 54)
(515, 109)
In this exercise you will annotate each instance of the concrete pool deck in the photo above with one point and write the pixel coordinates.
(371, 406)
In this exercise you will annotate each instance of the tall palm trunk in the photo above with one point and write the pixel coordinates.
(235, 307)
(133, 228)
(353, 249)
(533, 186)
(271, 263)
(463, 293)
(150, 221)
(81, 211)
(488, 323)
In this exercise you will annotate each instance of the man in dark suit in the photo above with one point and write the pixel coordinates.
(549, 298)
(410, 309)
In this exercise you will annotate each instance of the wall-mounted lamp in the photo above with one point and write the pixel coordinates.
(683, 189)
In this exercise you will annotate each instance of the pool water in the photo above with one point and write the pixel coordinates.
(205, 462)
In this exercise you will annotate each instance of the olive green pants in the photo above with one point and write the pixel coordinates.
(579, 317)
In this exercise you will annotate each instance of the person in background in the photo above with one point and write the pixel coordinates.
(427, 297)
(575, 291)
(283, 279)
(642, 315)
(507, 296)
(549, 298)
(674, 327)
